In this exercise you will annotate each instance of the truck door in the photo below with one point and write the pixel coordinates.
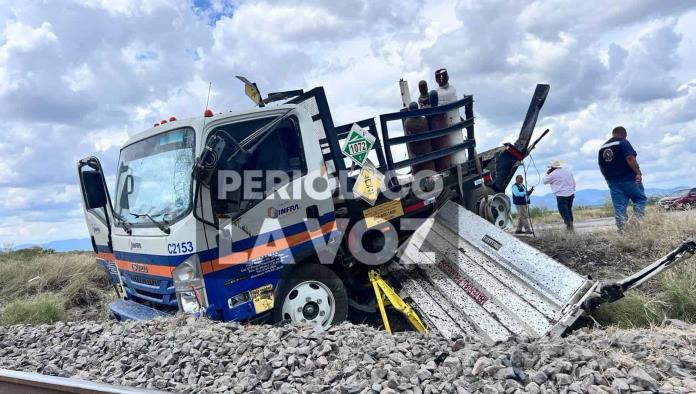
(96, 204)
(291, 151)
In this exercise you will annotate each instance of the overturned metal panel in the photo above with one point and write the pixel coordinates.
(469, 278)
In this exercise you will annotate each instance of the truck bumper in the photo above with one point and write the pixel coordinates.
(130, 310)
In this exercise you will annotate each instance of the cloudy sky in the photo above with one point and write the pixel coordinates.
(78, 77)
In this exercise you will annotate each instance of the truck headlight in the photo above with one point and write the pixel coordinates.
(185, 272)
(189, 286)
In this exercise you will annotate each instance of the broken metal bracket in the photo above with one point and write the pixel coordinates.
(612, 291)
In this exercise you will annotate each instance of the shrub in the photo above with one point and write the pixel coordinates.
(679, 286)
(44, 309)
(73, 275)
(634, 310)
(23, 254)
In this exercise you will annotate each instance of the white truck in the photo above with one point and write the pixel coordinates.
(250, 216)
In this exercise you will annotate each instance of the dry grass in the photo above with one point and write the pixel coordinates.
(43, 309)
(679, 286)
(637, 309)
(610, 255)
(73, 277)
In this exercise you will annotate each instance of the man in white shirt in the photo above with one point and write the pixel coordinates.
(563, 186)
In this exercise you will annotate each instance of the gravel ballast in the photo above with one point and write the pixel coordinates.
(184, 354)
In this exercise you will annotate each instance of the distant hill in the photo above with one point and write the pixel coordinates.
(62, 245)
(593, 197)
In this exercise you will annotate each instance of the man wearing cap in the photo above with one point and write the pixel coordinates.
(563, 186)
(617, 161)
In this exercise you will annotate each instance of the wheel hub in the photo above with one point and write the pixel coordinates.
(310, 310)
(310, 302)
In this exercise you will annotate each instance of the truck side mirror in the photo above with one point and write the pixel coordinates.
(129, 186)
(94, 189)
(208, 161)
(211, 158)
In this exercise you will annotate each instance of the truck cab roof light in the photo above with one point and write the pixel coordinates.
(163, 121)
(172, 118)
(155, 125)
(208, 113)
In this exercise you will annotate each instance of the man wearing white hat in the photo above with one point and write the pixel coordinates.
(563, 186)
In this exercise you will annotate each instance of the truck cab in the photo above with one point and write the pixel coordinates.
(248, 216)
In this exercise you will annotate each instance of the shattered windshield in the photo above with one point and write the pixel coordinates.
(154, 178)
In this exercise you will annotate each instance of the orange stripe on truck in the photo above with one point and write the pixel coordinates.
(141, 268)
(235, 258)
(275, 245)
(105, 256)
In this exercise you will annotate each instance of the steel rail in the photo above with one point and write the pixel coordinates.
(34, 383)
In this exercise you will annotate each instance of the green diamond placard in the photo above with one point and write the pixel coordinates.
(358, 144)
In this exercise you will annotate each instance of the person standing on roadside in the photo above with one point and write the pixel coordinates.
(563, 186)
(617, 162)
(520, 197)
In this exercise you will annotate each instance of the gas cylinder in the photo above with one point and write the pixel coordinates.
(423, 101)
(439, 121)
(415, 125)
(448, 94)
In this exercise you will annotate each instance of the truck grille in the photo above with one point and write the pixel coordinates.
(151, 289)
(145, 281)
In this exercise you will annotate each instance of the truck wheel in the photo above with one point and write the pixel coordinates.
(312, 294)
(474, 201)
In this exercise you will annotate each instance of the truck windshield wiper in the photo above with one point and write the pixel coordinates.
(161, 226)
(125, 225)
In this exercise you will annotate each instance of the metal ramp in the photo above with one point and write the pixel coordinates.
(467, 277)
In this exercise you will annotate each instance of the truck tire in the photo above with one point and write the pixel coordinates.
(473, 200)
(314, 294)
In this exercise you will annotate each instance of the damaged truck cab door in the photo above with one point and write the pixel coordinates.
(96, 203)
(98, 212)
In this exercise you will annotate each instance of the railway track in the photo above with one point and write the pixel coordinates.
(12, 382)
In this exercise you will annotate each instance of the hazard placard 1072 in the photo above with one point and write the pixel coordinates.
(358, 144)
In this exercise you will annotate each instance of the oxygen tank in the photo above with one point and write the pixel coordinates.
(423, 100)
(448, 94)
(415, 125)
(439, 121)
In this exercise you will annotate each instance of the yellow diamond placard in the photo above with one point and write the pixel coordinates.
(368, 184)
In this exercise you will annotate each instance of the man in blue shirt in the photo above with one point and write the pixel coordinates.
(617, 161)
(520, 197)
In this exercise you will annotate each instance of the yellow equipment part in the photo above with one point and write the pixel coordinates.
(383, 289)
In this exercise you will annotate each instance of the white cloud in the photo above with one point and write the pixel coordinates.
(80, 78)
(591, 146)
(672, 139)
(19, 37)
(110, 138)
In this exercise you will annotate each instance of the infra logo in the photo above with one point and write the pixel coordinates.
(272, 212)
(282, 211)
